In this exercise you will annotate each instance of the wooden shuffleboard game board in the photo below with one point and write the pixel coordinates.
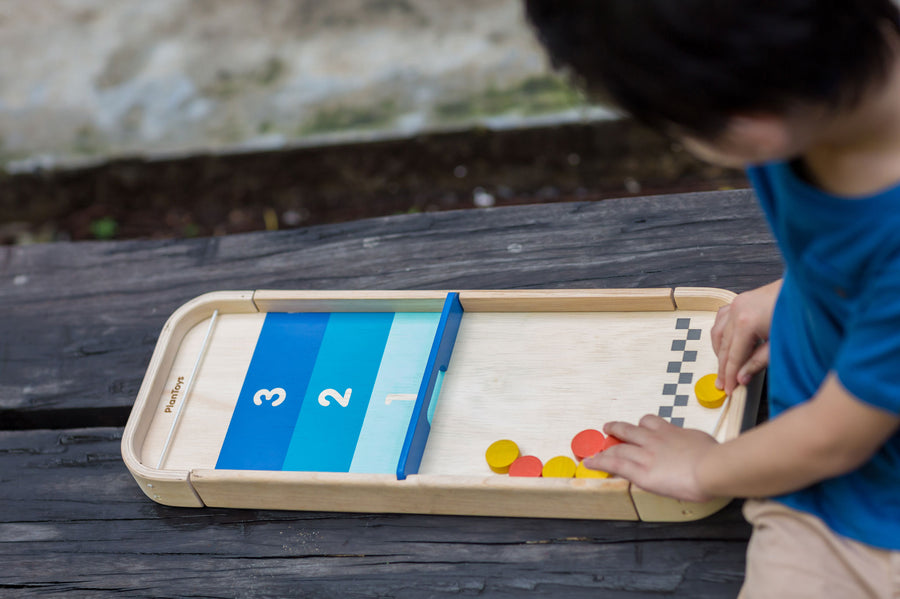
(387, 401)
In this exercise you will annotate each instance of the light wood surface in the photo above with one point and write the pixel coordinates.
(348, 301)
(537, 377)
(424, 494)
(701, 298)
(171, 487)
(654, 508)
(567, 300)
(207, 410)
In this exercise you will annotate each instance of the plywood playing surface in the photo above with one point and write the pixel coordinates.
(540, 378)
(326, 392)
(536, 378)
(325, 405)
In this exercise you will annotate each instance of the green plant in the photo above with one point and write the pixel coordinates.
(104, 228)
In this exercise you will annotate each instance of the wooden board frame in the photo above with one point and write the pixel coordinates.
(419, 493)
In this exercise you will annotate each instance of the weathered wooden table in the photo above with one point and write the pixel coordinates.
(78, 323)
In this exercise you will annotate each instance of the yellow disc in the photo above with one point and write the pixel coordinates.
(559, 467)
(501, 454)
(583, 471)
(707, 393)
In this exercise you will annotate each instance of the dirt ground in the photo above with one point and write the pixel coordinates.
(223, 194)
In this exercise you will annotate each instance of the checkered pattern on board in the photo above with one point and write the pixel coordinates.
(677, 390)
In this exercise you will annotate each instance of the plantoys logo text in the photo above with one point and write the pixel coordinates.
(173, 394)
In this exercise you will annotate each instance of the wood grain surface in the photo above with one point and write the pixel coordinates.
(78, 323)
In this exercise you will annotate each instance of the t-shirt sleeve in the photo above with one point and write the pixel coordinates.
(868, 362)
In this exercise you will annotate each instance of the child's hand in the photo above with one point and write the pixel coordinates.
(740, 336)
(657, 456)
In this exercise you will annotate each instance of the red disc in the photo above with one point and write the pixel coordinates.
(609, 442)
(526, 465)
(587, 443)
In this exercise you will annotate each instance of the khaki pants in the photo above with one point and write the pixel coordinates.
(795, 555)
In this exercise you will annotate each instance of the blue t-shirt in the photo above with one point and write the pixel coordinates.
(838, 311)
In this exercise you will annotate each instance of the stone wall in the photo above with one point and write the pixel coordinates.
(86, 80)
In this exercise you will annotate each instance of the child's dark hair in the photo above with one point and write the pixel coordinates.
(692, 64)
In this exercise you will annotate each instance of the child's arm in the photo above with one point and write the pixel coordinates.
(831, 434)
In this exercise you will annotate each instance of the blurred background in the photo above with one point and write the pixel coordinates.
(123, 119)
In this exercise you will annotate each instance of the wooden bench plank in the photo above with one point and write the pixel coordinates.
(75, 524)
(80, 320)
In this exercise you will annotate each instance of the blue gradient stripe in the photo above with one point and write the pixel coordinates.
(325, 436)
(402, 368)
(259, 432)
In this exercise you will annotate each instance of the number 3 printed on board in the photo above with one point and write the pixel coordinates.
(327, 394)
(276, 396)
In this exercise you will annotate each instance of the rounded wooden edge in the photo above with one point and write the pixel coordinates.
(167, 487)
(347, 294)
(172, 487)
(568, 300)
(443, 482)
(312, 300)
(656, 508)
(494, 495)
(731, 425)
(177, 488)
(702, 298)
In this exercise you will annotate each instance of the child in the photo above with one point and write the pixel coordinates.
(806, 95)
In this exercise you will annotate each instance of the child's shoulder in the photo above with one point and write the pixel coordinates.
(850, 240)
(792, 182)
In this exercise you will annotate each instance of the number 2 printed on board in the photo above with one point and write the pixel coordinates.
(343, 400)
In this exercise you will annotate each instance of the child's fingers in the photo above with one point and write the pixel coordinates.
(627, 458)
(743, 344)
(653, 422)
(718, 329)
(733, 363)
(723, 352)
(657, 456)
(757, 361)
(737, 332)
(739, 341)
(623, 460)
(640, 435)
(629, 433)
